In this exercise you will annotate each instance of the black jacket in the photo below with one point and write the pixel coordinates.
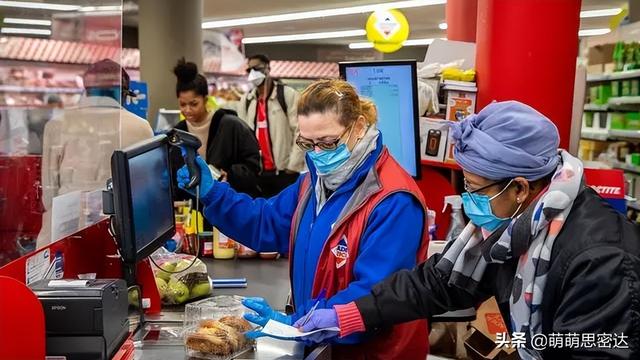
(593, 284)
(232, 147)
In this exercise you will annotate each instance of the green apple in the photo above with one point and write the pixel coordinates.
(179, 291)
(133, 296)
(182, 265)
(164, 275)
(162, 287)
(201, 289)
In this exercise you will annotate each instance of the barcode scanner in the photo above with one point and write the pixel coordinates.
(189, 145)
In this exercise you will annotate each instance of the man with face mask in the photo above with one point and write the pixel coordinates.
(270, 110)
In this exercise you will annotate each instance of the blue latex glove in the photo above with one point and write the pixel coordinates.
(264, 314)
(206, 180)
(319, 319)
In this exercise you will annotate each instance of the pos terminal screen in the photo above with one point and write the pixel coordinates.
(392, 86)
(152, 203)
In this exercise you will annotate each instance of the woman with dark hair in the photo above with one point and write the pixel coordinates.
(227, 143)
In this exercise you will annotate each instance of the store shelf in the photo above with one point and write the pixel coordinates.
(594, 107)
(626, 167)
(35, 89)
(595, 135)
(628, 134)
(620, 75)
(444, 165)
(624, 100)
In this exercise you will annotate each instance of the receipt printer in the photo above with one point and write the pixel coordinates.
(84, 319)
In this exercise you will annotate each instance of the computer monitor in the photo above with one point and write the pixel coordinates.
(142, 198)
(392, 85)
(166, 120)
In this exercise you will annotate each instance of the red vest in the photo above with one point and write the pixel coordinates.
(335, 266)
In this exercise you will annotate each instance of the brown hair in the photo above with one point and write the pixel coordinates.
(337, 96)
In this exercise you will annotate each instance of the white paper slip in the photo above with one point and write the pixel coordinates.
(283, 331)
(68, 283)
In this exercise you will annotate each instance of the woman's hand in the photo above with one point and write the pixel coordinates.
(206, 180)
(223, 175)
(318, 319)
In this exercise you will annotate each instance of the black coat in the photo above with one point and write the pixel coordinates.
(593, 284)
(232, 147)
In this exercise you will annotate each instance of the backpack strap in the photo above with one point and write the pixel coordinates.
(280, 97)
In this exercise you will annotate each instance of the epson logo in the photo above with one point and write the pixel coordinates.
(58, 308)
(608, 190)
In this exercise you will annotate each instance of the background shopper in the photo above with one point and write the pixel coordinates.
(227, 143)
(270, 110)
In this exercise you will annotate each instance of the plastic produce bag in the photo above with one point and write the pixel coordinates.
(176, 281)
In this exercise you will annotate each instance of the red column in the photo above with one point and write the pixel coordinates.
(461, 20)
(526, 51)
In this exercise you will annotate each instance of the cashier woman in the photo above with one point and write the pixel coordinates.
(354, 219)
(557, 258)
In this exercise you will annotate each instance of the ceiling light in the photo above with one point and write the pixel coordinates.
(39, 5)
(600, 13)
(411, 42)
(318, 13)
(593, 32)
(26, 31)
(361, 45)
(443, 26)
(27, 21)
(309, 36)
(101, 8)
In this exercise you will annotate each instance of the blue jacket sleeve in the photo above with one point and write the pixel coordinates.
(389, 243)
(261, 224)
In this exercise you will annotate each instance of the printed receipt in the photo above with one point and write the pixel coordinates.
(283, 331)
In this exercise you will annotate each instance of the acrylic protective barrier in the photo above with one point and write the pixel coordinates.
(60, 120)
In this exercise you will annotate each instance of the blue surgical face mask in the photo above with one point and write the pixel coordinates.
(477, 207)
(327, 161)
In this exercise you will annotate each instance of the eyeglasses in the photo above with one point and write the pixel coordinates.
(467, 187)
(471, 193)
(260, 68)
(308, 145)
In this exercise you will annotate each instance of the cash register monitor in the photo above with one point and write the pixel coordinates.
(142, 198)
(392, 85)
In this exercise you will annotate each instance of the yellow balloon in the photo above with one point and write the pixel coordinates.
(387, 30)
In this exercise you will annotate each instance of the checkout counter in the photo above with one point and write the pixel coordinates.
(265, 278)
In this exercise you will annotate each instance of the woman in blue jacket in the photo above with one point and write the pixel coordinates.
(350, 222)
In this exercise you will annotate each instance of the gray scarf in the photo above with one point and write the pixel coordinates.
(331, 181)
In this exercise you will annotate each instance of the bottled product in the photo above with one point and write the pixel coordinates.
(223, 247)
(457, 218)
(206, 244)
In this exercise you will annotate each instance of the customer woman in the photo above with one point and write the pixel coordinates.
(352, 220)
(557, 258)
(227, 143)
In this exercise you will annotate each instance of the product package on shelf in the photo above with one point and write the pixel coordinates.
(214, 328)
(433, 139)
(460, 98)
(177, 279)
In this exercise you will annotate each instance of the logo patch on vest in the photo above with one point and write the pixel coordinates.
(341, 252)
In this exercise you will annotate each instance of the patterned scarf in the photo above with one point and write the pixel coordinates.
(529, 237)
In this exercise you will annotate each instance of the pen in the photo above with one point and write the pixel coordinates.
(313, 308)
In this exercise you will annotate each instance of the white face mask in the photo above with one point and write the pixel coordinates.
(256, 77)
